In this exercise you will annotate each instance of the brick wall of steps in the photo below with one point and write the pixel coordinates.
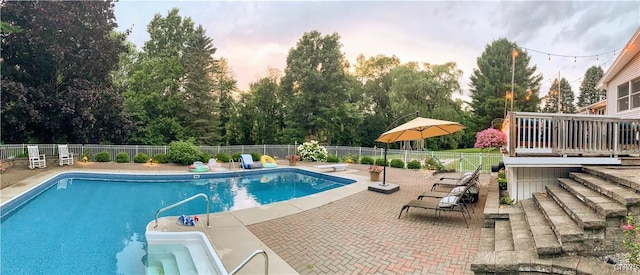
(562, 230)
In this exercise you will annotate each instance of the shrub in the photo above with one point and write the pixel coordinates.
(366, 160)
(236, 157)
(631, 239)
(381, 162)
(140, 158)
(103, 156)
(490, 138)
(122, 157)
(502, 179)
(414, 164)
(506, 200)
(86, 156)
(222, 157)
(312, 151)
(183, 152)
(432, 163)
(350, 159)
(161, 158)
(255, 156)
(333, 159)
(397, 163)
(204, 157)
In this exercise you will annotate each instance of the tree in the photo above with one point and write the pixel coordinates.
(226, 86)
(565, 98)
(315, 89)
(491, 82)
(588, 92)
(57, 69)
(265, 106)
(171, 92)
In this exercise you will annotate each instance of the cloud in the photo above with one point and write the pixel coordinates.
(254, 36)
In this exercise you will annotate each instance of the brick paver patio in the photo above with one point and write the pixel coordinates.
(358, 234)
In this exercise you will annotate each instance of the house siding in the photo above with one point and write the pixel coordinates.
(534, 179)
(628, 72)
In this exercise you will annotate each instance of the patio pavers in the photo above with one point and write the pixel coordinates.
(357, 234)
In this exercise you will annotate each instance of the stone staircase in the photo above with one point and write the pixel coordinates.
(563, 229)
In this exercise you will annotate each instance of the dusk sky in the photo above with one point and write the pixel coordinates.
(254, 36)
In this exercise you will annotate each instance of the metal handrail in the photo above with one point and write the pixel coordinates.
(181, 202)
(243, 263)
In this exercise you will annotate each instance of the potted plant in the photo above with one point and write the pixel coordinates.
(293, 159)
(374, 172)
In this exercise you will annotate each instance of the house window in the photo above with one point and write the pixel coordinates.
(635, 93)
(623, 97)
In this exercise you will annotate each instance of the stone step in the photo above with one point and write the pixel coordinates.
(619, 193)
(623, 175)
(563, 226)
(585, 216)
(598, 194)
(521, 235)
(487, 239)
(546, 243)
(503, 237)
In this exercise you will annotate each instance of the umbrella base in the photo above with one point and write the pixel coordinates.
(386, 189)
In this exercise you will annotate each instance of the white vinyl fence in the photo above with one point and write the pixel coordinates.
(458, 161)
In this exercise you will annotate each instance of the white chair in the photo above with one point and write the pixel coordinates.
(64, 155)
(35, 158)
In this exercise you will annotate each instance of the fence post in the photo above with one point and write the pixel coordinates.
(460, 162)
(405, 158)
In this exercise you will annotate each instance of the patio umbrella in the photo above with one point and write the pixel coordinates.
(416, 129)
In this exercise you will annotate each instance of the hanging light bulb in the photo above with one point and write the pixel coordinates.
(575, 59)
(597, 58)
(549, 57)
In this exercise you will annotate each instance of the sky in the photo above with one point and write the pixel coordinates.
(562, 38)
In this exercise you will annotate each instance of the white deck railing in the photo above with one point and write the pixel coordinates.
(571, 134)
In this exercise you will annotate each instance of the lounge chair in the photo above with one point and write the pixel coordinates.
(36, 160)
(448, 203)
(471, 195)
(64, 156)
(246, 162)
(452, 182)
(215, 166)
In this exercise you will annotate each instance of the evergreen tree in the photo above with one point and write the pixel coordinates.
(566, 98)
(588, 92)
(491, 81)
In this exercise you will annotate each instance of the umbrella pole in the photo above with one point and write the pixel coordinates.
(384, 167)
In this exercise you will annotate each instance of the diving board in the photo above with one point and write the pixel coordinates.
(335, 167)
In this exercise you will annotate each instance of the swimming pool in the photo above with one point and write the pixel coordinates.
(94, 223)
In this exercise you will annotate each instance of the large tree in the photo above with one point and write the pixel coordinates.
(560, 100)
(588, 92)
(491, 82)
(57, 73)
(315, 89)
(172, 88)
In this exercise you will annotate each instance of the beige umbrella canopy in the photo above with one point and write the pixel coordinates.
(420, 128)
(417, 129)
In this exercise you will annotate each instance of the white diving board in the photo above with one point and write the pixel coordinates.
(335, 167)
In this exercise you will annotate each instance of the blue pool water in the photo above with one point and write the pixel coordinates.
(84, 223)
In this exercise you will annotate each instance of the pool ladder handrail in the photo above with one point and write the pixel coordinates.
(184, 201)
(246, 261)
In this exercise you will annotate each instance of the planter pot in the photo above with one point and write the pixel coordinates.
(292, 163)
(375, 176)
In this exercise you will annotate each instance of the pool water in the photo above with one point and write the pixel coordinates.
(89, 225)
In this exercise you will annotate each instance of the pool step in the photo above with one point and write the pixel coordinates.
(199, 258)
(171, 259)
